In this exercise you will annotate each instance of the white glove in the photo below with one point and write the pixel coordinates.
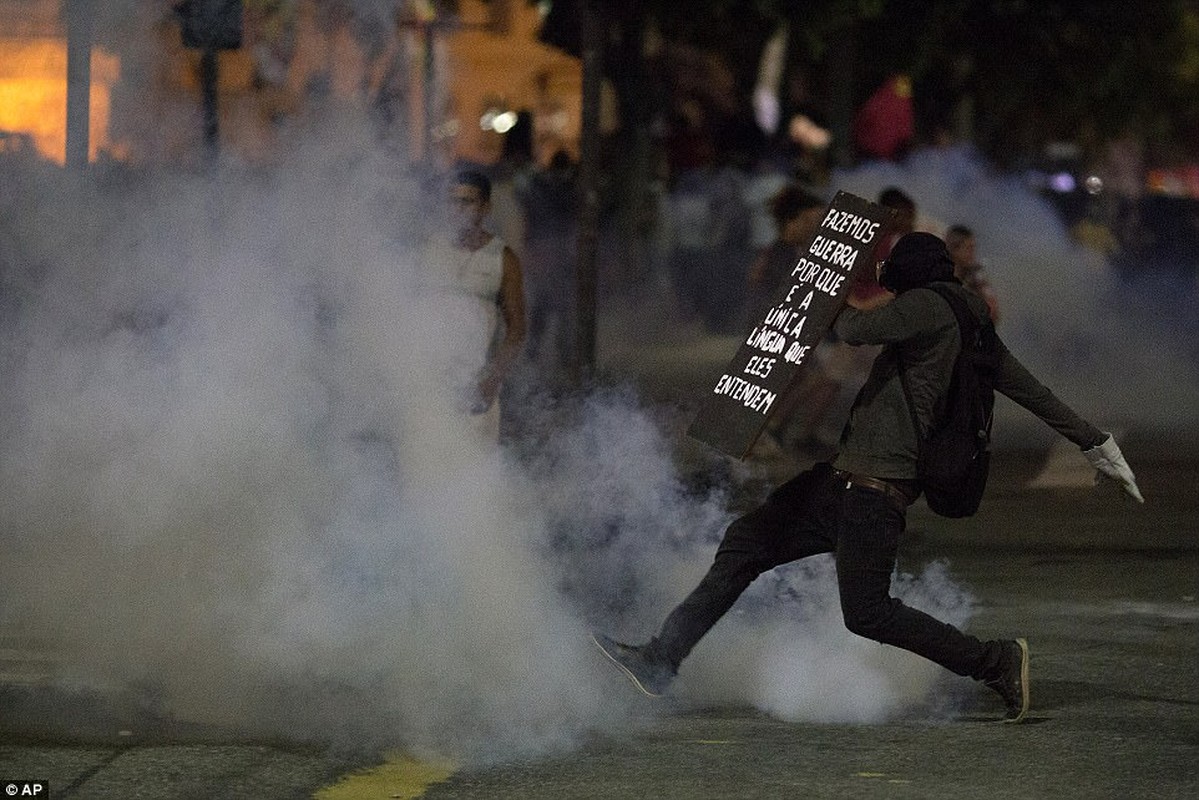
(1108, 459)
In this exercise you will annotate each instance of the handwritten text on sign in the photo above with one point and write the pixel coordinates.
(805, 306)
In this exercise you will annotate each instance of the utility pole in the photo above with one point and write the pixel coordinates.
(429, 105)
(209, 79)
(79, 81)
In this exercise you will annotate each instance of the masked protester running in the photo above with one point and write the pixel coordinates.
(855, 506)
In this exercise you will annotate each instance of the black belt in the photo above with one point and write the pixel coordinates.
(892, 492)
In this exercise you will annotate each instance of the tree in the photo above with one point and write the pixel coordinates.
(1031, 71)
(1009, 75)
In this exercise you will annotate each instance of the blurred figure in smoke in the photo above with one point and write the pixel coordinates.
(1122, 172)
(710, 230)
(960, 242)
(796, 213)
(550, 205)
(510, 181)
(765, 178)
(328, 66)
(476, 278)
(855, 507)
(391, 63)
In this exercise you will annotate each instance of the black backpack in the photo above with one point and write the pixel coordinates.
(956, 454)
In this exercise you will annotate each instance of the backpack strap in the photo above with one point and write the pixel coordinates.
(968, 330)
(968, 323)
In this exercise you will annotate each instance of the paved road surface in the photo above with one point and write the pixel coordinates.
(1105, 591)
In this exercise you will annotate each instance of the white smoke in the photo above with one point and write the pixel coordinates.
(785, 650)
(234, 485)
(228, 474)
(231, 481)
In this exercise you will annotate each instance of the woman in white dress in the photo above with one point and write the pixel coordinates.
(476, 280)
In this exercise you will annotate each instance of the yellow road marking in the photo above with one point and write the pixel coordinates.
(400, 777)
(880, 775)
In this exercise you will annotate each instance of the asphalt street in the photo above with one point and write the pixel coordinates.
(1105, 591)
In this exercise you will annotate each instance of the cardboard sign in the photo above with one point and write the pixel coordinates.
(783, 340)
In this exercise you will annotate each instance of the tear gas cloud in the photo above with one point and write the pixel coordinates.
(233, 480)
(234, 484)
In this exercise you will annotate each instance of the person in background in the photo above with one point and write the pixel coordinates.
(550, 204)
(476, 280)
(510, 177)
(884, 127)
(796, 213)
(709, 239)
(960, 242)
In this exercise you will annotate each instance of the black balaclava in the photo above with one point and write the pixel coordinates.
(916, 259)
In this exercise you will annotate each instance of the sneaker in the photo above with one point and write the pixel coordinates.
(1012, 681)
(651, 677)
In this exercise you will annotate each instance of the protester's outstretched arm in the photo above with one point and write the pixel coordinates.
(1099, 447)
(1110, 462)
(1018, 384)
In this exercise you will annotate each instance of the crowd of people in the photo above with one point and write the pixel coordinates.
(729, 229)
(734, 208)
(803, 420)
(893, 342)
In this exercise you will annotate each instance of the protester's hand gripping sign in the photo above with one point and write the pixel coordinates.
(783, 340)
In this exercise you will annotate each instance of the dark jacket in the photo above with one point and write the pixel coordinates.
(918, 324)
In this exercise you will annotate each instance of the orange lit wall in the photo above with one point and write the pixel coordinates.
(486, 67)
(33, 94)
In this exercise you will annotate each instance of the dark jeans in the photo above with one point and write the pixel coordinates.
(817, 513)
